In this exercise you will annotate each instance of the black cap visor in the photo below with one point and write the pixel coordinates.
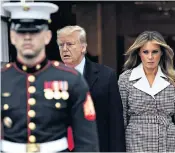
(29, 25)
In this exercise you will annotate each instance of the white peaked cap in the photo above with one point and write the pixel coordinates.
(30, 10)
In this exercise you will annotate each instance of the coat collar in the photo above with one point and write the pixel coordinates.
(35, 68)
(90, 72)
(142, 84)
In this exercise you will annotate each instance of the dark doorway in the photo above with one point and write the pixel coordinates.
(62, 18)
(120, 54)
(171, 42)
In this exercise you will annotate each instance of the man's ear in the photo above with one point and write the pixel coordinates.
(84, 46)
(12, 37)
(48, 37)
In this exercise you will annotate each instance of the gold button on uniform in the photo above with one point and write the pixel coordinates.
(57, 105)
(32, 126)
(24, 68)
(31, 101)
(6, 94)
(7, 122)
(6, 106)
(31, 113)
(31, 89)
(8, 65)
(38, 66)
(31, 78)
(32, 138)
(56, 63)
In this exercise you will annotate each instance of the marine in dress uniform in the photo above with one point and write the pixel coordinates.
(39, 102)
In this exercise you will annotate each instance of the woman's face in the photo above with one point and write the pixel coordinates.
(150, 54)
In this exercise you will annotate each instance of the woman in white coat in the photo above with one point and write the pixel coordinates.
(147, 88)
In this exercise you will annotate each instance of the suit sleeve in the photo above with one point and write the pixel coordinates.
(116, 121)
(83, 119)
(174, 108)
(124, 95)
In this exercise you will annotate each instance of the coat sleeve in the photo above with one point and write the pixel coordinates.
(83, 119)
(124, 92)
(116, 122)
(174, 105)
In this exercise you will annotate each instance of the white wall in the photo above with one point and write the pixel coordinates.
(4, 53)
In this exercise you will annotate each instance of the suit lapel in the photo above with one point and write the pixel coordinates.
(90, 73)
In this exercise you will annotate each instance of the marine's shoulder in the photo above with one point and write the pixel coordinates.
(6, 67)
(62, 67)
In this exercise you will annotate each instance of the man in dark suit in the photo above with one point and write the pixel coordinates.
(102, 82)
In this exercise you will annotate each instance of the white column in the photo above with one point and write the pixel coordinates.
(4, 52)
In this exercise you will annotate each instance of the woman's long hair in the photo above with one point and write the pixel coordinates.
(166, 61)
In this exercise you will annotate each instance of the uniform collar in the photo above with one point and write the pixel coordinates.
(142, 84)
(32, 69)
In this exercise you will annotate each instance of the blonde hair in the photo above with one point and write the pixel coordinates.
(70, 29)
(166, 61)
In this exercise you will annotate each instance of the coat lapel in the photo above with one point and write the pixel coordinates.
(160, 82)
(90, 73)
(142, 84)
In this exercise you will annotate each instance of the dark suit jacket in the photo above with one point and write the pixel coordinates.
(103, 86)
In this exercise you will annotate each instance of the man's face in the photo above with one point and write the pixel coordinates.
(71, 49)
(30, 45)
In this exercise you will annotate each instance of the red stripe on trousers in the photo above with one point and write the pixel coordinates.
(70, 138)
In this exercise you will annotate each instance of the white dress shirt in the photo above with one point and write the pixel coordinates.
(80, 67)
